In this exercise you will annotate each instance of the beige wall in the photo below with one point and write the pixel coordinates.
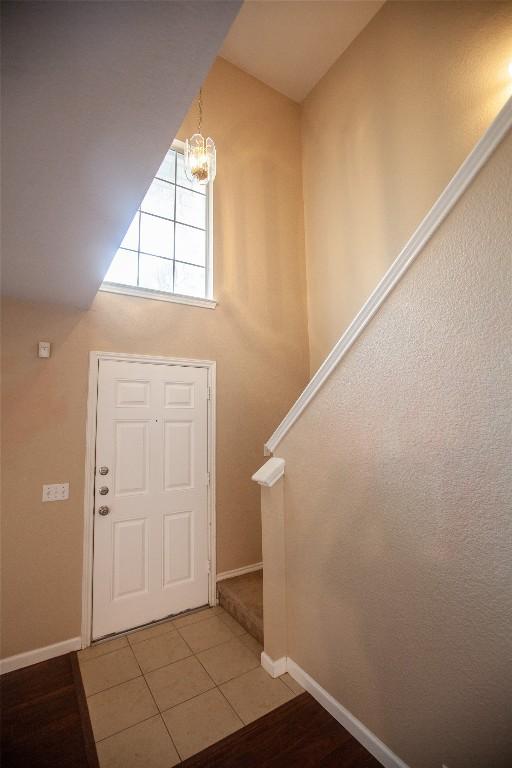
(383, 133)
(257, 335)
(398, 525)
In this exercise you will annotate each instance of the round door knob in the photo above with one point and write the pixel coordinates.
(103, 470)
(103, 490)
(103, 511)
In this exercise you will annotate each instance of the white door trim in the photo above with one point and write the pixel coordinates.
(90, 449)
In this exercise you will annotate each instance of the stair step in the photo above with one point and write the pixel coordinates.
(242, 598)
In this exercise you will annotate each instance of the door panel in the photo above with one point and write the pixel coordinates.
(132, 457)
(178, 455)
(130, 558)
(151, 548)
(178, 547)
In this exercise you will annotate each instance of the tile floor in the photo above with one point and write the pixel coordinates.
(159, 695)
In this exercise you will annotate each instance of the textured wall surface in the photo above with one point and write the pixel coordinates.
(398, 502)
(257, 335)
(383, 133)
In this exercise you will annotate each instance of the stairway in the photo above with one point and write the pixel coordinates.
(242, 598)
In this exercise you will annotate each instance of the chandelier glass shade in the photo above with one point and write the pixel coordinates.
(200, 155)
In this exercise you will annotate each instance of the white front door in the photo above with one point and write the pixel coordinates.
(151, 493)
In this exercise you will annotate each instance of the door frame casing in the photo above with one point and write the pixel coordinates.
(90, 465)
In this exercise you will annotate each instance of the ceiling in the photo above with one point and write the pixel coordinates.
(93, 94)
(290, 44)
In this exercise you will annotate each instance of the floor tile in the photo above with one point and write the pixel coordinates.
(252, 644)
(254, 694)
(145, 745)
(178, 682)
(108, 670)
(200, 722)
(149, 632)
(292, 684)
(160, 651)
(230, 622)
(194, 617)
(228, 660)
(206, 634)
(120, 707)
(101, 648)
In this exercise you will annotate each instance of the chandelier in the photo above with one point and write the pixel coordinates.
(200, 155)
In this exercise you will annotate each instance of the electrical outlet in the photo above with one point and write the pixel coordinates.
(56, 492)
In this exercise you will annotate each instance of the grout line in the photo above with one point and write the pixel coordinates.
(295, 693)
(102, 655)
(215, 645)
(217, 687)
(191, 698)
(144, 720)
(172, 742)
(167, 664)
(230, 678)
(207, 616)
(230, 704)
(113, 686)
(171, 630)
(223, 642)
(158, 709)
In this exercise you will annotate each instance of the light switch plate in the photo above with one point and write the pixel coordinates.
(56, 492)
(44, 349)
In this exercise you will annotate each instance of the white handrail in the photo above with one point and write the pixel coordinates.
(456, 187)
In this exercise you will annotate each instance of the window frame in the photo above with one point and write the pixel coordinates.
(206, 301)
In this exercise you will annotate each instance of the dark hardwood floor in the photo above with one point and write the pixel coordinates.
(44, 719)
(300, 734)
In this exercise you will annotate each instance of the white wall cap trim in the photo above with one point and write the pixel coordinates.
(270, 472)
(441, 208)
(240, 571)
(359, 731)
(273, 668)
(28, 658)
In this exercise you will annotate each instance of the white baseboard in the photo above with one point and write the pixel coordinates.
(239, 571)
(39, 654)
(364, 736)
(274, 668)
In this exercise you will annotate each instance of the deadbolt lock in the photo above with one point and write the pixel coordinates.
(103, 470)
(103, 490)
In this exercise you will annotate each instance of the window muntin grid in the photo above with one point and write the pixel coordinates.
(166, 247)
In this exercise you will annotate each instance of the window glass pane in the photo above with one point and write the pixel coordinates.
(123, 268)
(181, 177)
(156, 235)
(155, 273)
(131, 239)
(166, 170)
(190, 281)
(190, 245)
(159, 199)
(190, 208)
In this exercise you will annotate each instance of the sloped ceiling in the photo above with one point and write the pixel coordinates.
(93, 94)
(290, 44)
